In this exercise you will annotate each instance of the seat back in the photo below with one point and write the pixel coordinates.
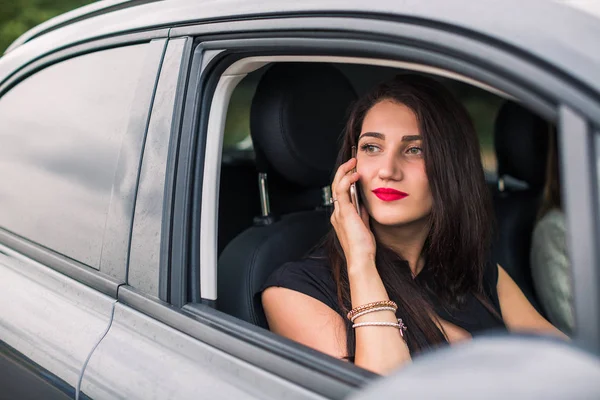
(297, 117)
(238, 181)
(521, 141)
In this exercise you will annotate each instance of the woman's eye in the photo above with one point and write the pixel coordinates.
(369, 148)
(417, 151)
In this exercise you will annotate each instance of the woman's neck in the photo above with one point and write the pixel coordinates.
(405, 240)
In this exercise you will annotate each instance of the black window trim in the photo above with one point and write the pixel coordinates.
(172, 281)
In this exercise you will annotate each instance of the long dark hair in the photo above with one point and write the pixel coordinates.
(551, 198)
(457, 245)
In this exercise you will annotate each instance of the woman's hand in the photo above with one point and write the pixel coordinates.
(352, 230)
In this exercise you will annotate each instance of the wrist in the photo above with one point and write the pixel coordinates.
(362, 266)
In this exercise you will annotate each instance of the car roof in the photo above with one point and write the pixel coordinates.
(591, 7)
(551, 31)
(78, 14)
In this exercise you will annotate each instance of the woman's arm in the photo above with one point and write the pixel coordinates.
(308, 321)
(518, 313)
(379, 349)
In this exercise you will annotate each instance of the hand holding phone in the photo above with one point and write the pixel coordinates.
(354, 234)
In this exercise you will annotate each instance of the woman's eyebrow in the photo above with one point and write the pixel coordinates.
(376, 135)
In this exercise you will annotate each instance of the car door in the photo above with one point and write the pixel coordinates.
(71, 132)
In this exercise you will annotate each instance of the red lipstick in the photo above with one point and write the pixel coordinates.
(388, 194)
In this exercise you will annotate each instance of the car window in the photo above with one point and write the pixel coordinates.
(523, 198)
(483, 107)
(60, 137)
(237, 125)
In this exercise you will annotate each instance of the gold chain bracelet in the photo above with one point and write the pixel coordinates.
(368, 306)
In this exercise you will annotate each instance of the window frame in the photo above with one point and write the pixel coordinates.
(147, 250)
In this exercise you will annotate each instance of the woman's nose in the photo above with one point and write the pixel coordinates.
(390, 168)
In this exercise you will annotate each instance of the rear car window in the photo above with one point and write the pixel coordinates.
(60, 137)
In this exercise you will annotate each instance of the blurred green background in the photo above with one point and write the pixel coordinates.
(18, 16)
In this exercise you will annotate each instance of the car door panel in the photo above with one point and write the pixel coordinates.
(142, 358)
(48, 317)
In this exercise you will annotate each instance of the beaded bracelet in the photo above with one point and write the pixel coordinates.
(371, 310)
(400, 325)
(384, 303)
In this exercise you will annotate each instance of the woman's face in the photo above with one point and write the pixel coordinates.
(394, 185)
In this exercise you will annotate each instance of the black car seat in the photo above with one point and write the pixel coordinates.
(297, 117)
(521, 141)
(238, 181)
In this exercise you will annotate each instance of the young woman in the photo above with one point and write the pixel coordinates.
(409, 272)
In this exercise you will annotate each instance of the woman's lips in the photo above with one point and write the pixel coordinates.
(387, 194)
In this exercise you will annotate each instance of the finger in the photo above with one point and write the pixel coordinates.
(343, 198)
(342, 171)
(342, 189)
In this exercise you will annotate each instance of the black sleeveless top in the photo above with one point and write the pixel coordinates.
(313, 276)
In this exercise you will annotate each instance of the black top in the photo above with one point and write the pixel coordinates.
(313, 277)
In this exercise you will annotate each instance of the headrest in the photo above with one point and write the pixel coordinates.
(521, 140)
(297, 117)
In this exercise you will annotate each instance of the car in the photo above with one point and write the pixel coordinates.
(147, 189)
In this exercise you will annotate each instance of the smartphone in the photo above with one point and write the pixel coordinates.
(353, 188)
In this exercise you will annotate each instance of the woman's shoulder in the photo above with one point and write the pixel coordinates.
(310, 275)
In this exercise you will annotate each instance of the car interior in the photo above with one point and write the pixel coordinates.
(280, 145)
